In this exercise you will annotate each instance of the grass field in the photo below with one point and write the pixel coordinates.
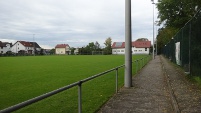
(23, 78)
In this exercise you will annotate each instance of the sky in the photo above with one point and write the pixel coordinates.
(73, 22)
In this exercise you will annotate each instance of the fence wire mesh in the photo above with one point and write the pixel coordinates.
(184, 48)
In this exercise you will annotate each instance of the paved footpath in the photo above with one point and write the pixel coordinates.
(154, 92)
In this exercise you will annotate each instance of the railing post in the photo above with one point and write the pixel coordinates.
(136, 65)
(80, 97)
(143, 62)
(146, 60)
(139, 64)
(116, 80)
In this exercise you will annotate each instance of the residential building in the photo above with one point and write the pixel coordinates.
(4, 47)
(140, 46)
(62, 49)
(23, 47)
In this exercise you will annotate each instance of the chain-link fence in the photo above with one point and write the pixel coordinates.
(184, 48)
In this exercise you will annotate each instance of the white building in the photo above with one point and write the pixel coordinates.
(24, 47)
(140, 46)
(4, 47)
(62, 49)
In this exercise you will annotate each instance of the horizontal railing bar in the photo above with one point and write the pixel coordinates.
(97, 75)
(36, 99)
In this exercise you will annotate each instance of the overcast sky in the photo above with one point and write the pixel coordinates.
(73, 22)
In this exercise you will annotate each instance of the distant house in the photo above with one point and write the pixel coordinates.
(23, 47)
(62, 49)
(140, 46)
(4, 47)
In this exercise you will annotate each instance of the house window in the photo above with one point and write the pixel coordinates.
(145, 49)
(122, 50)
(118, 50)
(18, 47)
(1, 51)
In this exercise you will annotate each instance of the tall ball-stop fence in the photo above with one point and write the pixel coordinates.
(184, 48)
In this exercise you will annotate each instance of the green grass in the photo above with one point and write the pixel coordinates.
(23, 78)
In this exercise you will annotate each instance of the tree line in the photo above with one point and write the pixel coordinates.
(96, 48)
(173, 15)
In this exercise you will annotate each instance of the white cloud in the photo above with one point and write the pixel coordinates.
(75, 22)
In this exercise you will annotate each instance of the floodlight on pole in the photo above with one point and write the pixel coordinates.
(33, 45)
(153, 29)
(156, 37)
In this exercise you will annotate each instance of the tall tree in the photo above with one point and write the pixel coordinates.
(164, 36)
(97, 46)
(108, 46)
(175, 13)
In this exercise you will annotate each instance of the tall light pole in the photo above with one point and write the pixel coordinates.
(153, 28)
(128, 38)
(33, 45)
(156, 37)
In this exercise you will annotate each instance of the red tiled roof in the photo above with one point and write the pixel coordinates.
(61, 45)
(141, 44)
(118, 45)
(137, 44)
(29, 44)
(26, 44)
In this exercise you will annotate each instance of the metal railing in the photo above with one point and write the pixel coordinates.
(139, 65)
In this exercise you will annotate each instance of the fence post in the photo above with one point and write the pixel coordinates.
(136, 65)
(142, 62)
(80, 97)
(116, 80)
(190, 48)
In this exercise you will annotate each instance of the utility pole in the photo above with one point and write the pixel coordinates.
(33, 45)
(156, 37)
(128, 38)
(153, 29)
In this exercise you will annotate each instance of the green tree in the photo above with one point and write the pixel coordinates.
(72, 50)
(97, 46)
(164, 36)
(108, 46)
(175, 13)
(52, 51)
(87, 50)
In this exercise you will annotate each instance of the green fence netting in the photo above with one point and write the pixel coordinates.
(184, 48)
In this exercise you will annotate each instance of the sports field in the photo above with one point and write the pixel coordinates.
(23, 78)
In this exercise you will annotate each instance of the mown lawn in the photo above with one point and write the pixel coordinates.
(23, 78)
